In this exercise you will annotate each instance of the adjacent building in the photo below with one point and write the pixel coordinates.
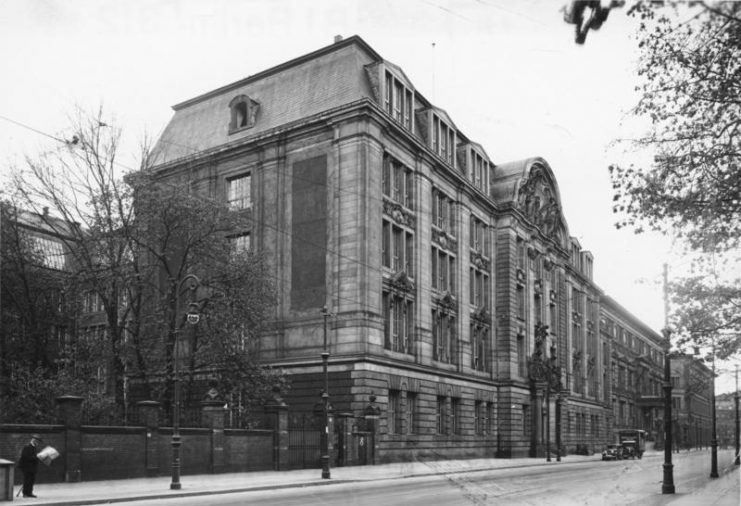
(456, 299)
(692, 397)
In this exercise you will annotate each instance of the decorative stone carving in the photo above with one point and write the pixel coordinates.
(446, 301)
(401, 282)
(478, 260)
(399, 214)
(443, 240)
(537, 201)
(481, 315)
(538, 287)
(520, 276)
(591, 362)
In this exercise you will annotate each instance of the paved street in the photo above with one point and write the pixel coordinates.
(576, 480)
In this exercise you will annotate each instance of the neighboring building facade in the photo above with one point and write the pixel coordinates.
(636, 370)
(48, 312)
(725, 405)
(692, 395)
(458, 299)
(36, 319)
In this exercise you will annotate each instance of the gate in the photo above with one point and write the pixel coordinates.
(364, 446)
(304, 451)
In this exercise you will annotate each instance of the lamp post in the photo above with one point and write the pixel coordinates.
(735, 398)
(714, 437)
(325, 398)
(192, 317)
(667, 485)
(554, 383)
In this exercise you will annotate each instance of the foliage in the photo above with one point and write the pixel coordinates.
(690, 67)
(691, 91)
(32, 392)
(707, 314)
(132, 240)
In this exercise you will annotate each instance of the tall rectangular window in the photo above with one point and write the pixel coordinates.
(443, 212)
(480, 348)
(478, 420)
(411, 412)
(440, 415)
(455, 415)
(520, 254)
(394, 412)
(443, 337)
(521, 356)
(398, 182)
(398, 101)
(443, 270)
(398, 317)
(397, 248)
(443, 140)
(240, 243)
(239, 192)
(520, 307)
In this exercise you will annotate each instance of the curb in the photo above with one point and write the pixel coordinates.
(257, 488)
(175, 495)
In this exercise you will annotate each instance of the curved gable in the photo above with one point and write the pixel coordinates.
(530, 186)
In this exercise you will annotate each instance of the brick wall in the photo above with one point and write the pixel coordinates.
(120, 452)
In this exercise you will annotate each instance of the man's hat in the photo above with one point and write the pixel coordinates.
(37, 437)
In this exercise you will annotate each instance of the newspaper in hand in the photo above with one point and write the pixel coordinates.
(47, 455)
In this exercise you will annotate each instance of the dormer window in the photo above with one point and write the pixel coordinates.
(443, 139)
(243, 113)
(399, 101)
(478, 170)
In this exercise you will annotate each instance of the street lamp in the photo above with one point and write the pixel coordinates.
(714, 438)
(667, 486)
(736, 460)
(192, 317)
(325, 399)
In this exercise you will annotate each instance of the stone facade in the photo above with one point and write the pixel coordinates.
(458, 298)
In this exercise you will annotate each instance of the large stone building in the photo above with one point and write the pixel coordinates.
(457, 297)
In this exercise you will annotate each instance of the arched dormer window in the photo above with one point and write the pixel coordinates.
(243, 113)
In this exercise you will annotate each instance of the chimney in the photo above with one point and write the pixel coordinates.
(337, 38)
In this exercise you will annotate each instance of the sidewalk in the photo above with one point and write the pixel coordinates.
(110, 491)
(723, 491)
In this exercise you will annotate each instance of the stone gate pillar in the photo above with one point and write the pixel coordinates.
(213, 413)
(277, 411)
(69, 408)
(372, 413)
(149, 416)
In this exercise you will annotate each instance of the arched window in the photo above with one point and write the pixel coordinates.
(243, 113)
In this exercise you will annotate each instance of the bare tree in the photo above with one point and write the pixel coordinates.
(132, 239)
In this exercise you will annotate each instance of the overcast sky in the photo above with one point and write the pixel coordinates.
(508, 73)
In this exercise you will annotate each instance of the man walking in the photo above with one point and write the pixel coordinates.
(29, 464)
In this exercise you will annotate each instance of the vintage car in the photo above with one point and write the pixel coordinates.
(633, 443)
(612, 452)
